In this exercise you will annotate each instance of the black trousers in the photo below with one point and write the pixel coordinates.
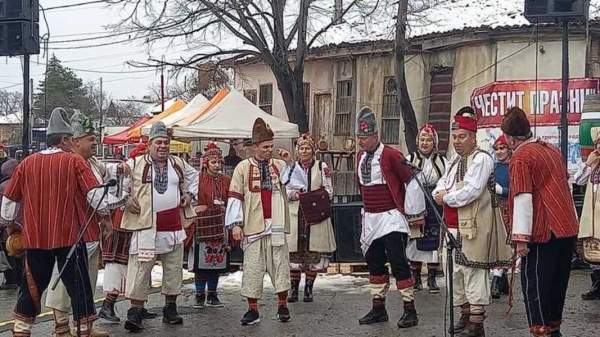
(545, 273)
(39, 265)
(392, 248)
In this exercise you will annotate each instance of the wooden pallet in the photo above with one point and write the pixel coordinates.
(347, 268)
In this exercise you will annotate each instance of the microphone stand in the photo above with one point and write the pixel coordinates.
(451, 244)
(74, 249)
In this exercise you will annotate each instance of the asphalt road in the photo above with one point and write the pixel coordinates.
(339, 302)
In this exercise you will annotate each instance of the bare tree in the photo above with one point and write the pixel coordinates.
(10, 102)
(123, 113)
(278, 33)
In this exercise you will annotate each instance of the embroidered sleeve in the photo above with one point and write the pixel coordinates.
(190, 179)
(236, 187)
(414, 204)
(582, 176)
(522, 222)
(234, 215)
(326, 178)
(474, 183)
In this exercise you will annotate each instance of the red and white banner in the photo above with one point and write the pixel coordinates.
(491, 101)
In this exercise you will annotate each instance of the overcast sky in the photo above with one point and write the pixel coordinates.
(87, 22)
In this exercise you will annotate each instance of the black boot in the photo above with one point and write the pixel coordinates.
(147, 314)
(107, 312)
(409, 318)
(495, 287)
(461, 324)
(431, 282)
(170, 315)
(418, 283)
(504, 284)
(283, 314)
(134, 319)
(473, 330)
(293, 297)
(213, 301)
(251, 317)
(377, 314)
(308, 292)
(594, 292)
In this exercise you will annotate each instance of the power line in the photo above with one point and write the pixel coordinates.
(78, 4)
(11, 86)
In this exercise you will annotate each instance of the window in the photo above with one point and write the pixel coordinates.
(343, 108)
(250, 94)
(266, 98)
(390, 113)
(306, 90)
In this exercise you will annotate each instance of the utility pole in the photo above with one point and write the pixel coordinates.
(162, 89)
(25, 140)
(100, 105)
(564, 125)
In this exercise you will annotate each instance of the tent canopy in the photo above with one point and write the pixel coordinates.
(121, 137)
(196, 105)
(136, 133)
(233, 117)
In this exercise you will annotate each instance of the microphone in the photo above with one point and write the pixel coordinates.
(411, 165)
(110, 183)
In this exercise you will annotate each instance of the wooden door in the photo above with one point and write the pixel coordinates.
(320, 121)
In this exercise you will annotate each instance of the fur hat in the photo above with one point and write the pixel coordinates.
(500, 141)
(430, 130)
(159, 129)
(515, 123)
(465, 119)
(58, 123)
(366, 123)
(261, 132)
(82, 125)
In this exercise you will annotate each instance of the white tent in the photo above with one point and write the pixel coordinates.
(196, 104)
(233, 117)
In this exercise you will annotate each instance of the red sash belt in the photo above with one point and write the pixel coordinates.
(168, 220)
(377, 199)
(450, 216)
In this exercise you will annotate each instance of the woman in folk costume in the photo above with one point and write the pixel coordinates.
(425, 239)
(209, 256)
(310, 245)
(589, 224)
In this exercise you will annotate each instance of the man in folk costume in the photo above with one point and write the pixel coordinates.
(257, 213)
(544, 223)
(158, 209)
(84, 145)
(425, 237)
(471, 211)
(502, 151)
(382, 177)
(310, 244)
(209, 256)
(115, 247)
(589, 223)
(51, 224)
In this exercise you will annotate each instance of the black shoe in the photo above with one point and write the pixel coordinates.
(473, 330)
(432, 283)
(504, 285)
(107, 312)
(418, 283)
(200, 299)
(251, 317)
(213, 301)
(579, 264)
(134, 319)
(170, 315)
(496, 287)
(594, 292)
(283, 314)
(376, 315)
(461, 324)
(409, 318)
(308, 292)
(293, 296)
(147, 314)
